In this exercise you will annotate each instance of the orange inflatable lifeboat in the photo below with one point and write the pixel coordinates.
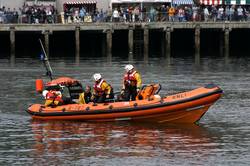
(185, 107)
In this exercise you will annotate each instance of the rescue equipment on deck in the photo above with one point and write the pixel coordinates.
(39, 85)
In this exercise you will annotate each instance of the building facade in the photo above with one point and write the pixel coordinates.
(100, 4)
(12, 3)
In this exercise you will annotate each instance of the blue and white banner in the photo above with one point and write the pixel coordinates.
(140, 1)
(183, 2)
(237, 2)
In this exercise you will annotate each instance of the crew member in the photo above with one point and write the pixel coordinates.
(85, 97)
(131, 83)
(52, 97)
(102, 90)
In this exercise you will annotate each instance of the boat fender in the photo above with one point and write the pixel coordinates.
(157, 96)
(87, 109)
(135, 104)
(39, 85)
(63, 110)
(111, 107)
(94, 104)
(161, 101)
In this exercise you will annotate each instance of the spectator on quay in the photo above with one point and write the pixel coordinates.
(49, 16)
(115, 15)
(120, 11)
(130, 13)
(144, 13)
(163, 13)
(136, 14)
(214, 13)
(102, 16)
(66, 15)
(231, 11)
(133, 15)
(195, 12)
(181, 14)
(8, 15)
(109, 15)
(171, 13)
(167, 9)
(152, 14)
(4, 14)
(220, 15)
(206, 14)
(125, 14)
(240, 13)
(76, 15)
(43, 15)
(245, 12)
(227, 13)
(158, 13)
(188, 13)
(82, 14)
(1, 16)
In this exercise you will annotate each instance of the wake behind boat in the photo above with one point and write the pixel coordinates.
(185, 107)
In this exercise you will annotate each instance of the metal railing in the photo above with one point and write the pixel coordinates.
(141, 17)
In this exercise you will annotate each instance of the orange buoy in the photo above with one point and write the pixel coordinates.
(39, 85)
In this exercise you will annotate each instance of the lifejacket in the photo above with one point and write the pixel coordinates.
(130, 79)
(98, 88)
(53, 97)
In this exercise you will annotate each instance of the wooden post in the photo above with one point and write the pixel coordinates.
(77, 42)
(146, 42)
(130, 41)
(46, 40)
(109, 42)
(162, 43)
(226, 41)
(12, 41)
(104, 50)
(197, 44)
(168, 42)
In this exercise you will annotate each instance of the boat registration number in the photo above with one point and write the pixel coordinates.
(179, 96)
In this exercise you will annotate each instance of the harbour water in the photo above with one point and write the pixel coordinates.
(221, 138)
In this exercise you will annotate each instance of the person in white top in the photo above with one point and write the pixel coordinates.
(221, 13)
(240, 13)
(116, 15)
(206, 14)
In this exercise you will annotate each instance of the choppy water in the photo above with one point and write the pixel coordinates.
(221, 138)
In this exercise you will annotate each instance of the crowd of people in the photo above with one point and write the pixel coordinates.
(28, 14)
(161, 13)
(134, 13)
(181, 13)
(102, 90)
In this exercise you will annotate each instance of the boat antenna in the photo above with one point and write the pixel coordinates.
(45, 60)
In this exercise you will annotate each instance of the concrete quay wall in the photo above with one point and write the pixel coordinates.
(107, 29)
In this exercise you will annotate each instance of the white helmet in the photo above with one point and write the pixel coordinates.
(97, 76)
(45, 93)
(129, 67)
